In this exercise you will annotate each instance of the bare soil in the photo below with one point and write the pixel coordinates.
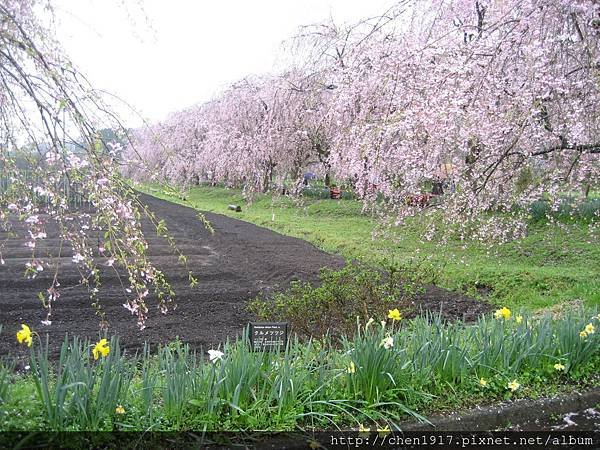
(233, 265)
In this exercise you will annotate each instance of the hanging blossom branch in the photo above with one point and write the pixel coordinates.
(52, 148)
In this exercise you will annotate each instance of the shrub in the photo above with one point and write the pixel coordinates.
(5, 381)
(178, 367)
(341, 296)
(587, 210)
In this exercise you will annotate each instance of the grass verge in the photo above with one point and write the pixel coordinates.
(552, 265)
(385, 373)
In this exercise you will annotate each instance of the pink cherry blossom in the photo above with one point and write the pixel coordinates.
(494, 103)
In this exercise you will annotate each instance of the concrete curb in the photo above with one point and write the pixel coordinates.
(480, 419)
(508, 413)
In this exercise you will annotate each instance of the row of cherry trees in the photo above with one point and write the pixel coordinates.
(259, 130)
(498, 98)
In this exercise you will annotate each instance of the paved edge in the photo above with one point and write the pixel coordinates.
(501, 415)
(478, 419)
(488, 418)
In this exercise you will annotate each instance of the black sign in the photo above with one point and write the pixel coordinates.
(268, 336)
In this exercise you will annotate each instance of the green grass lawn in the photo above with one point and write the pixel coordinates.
(550, 266)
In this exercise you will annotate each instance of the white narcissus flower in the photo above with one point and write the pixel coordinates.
(215, 355)
(388, 342)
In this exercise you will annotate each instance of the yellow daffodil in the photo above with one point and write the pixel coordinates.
(519, 319)
(394, 314)
(24, 335)
(598, 316)
(503, 313)
(383, 431)
(513, 385)
(582, 334)
(120, 410)
(589, 329)
(363, 431)
(559, 366)
(101, 349)
(483, 382)
(351, 368)
(387, 342)
(314, 445)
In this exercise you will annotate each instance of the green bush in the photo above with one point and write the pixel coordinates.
(342, 295)
(372, 371)
(178, 367)
(587, 210)
(148, 383)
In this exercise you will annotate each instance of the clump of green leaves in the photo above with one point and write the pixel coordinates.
(82, 393)
(5, 378)
(569, 210)
(388, 370)
(342, 295)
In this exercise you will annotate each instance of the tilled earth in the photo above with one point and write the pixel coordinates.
(233, 265)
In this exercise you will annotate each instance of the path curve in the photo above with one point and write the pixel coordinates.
(233, 265)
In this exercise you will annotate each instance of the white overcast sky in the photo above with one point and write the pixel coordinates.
(164, 55)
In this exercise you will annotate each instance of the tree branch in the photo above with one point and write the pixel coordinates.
(589, 148)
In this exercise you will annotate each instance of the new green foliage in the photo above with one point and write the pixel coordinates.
(385, 372)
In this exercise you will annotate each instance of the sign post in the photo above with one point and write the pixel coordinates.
(268, 336)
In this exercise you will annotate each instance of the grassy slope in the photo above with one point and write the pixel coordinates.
(550, 266)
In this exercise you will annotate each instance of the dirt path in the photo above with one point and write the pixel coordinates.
(233, 265)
